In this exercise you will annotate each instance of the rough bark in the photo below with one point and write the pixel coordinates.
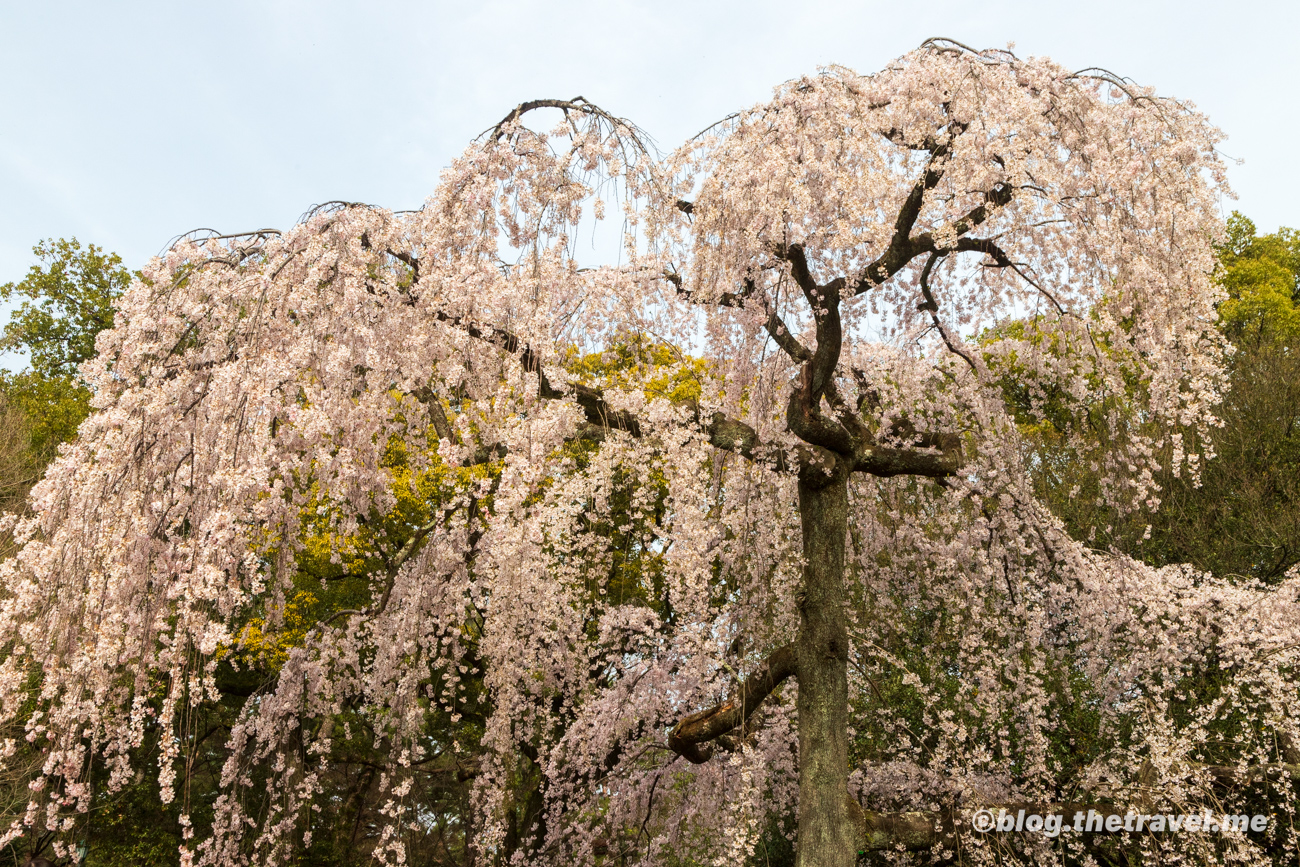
(826, 835)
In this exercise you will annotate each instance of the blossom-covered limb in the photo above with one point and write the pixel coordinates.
(902, 249)
(995, 197)
(578, 105)
(690, 737)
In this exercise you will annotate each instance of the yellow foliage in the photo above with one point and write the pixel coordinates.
(256, 646)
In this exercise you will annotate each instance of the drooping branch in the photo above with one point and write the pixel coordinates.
(990, 248)
(691, 736)
(774, 325)
(932, 307)
(579, 105)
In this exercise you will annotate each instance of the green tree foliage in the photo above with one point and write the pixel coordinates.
(1262, 277)
(17, 469)
(69, 300)
(66, 300)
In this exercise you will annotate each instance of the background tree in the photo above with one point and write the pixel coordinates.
(1239, 515)
(67, 300)
(628, 596)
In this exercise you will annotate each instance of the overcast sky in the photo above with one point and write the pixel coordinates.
(127, 123)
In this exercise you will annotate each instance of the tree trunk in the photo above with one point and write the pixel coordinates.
(826, 836)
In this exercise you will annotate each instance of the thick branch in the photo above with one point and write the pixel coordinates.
(794, 254)
(987, 246)
(600, 413)
(723, 431)
(689, 738)
(846, 416)
(578, 104)
(825, 304)
(803, 412)
(929, 179)
(805, 420)
(736, 436)
(995, 198)
(939, 461)
(410, 261)
(912, 831)
(427, 397)
(896, 136)
(902, 249)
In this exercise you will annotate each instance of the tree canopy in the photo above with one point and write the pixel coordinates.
(749, 524)
(67, 300)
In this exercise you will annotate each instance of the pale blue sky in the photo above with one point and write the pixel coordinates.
(127, 123)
